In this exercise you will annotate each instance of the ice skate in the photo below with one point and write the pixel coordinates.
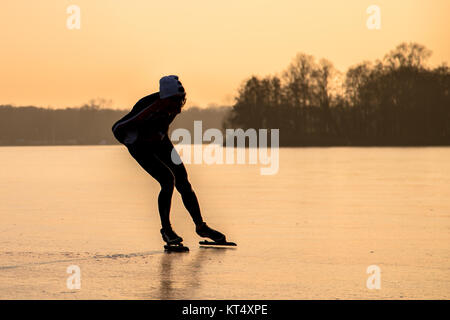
(174, 242)
(218, 238)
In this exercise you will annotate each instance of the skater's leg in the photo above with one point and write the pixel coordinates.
(165, 200)
(188, 195)
(158, 170)
(182, 183)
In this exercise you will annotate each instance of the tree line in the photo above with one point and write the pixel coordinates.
(394, 101)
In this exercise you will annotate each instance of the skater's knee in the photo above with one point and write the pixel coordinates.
(167, 184)
(183, 186)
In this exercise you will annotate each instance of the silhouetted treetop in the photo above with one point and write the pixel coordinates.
(396, 101)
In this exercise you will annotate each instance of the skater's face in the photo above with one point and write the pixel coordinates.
(174, 104)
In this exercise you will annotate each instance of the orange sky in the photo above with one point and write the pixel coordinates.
(124, 47)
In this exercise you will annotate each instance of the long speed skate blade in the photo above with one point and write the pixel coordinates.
(176, 248)
(213, 243)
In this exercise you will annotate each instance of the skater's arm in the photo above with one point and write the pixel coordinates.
(155, 110)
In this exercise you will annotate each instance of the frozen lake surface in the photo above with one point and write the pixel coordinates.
(308, 232)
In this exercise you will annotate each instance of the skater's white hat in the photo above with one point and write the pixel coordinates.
(170, 86)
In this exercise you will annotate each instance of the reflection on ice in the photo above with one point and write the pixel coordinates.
(186, 278)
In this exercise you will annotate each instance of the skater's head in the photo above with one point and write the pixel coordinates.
(172, 94)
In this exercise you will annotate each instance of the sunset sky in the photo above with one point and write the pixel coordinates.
(124, 47)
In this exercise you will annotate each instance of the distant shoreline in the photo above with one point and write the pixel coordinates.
(281, 146)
